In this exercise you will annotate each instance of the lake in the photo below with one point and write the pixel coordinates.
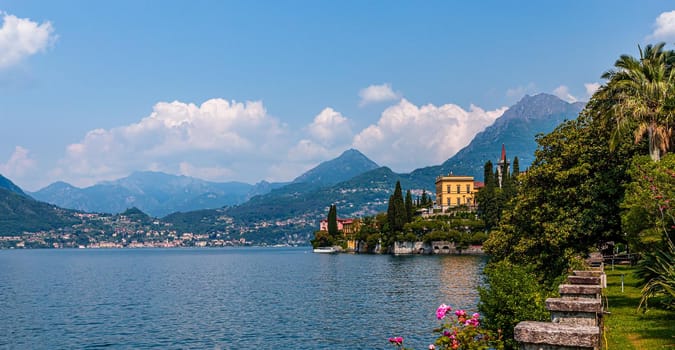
(229, 298)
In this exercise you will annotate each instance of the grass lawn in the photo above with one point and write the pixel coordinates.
(627, 328)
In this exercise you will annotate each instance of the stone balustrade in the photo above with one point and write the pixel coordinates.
(576, 317)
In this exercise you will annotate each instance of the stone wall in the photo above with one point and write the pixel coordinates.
(576, 317)
(435, 247)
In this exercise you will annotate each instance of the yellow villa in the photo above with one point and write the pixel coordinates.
(456, 190)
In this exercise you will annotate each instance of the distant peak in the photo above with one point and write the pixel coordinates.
(539, 97)
(352, 152)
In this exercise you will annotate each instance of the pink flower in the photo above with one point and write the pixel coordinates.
(460, 313)
(472, 322)
(396, 340)
(432, 347)
(476, 315)
(442, 310)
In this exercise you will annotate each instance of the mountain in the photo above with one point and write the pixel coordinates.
(289, 213)
(10, 186)
(293, 211)
(516, 129)
(20, 213)
(156, 193)
(349, 164)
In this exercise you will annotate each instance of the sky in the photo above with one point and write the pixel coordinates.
(265, 90)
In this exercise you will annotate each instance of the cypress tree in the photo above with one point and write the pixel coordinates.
(516, 167)
(488, 178)
(396, 213)
(424, 200)
(409, 210)
(332, 221)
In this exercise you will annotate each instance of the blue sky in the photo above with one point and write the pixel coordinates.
(253, 90)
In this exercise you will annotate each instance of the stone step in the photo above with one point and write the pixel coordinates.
(568, 291)
(586, 273)
(563, 335)
(583, 280)
(574, 305)
(575, 318)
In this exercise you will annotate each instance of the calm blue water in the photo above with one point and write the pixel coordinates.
(225, 298)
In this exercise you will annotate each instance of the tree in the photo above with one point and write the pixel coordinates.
(488, 178)
(570, 197)
(487, 199)
(396, 213)
(425, 201)
(332, 221)
(643, 95)
(409, 209)
(516, 167)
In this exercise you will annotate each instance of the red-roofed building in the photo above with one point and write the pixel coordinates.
(347, 226)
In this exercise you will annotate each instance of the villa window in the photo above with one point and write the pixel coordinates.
(458, 200)
(468, 188)
(458, 190)
(449, 189)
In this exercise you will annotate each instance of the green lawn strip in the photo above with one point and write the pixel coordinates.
(627, 328)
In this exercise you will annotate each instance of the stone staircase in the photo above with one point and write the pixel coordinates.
(576, 317)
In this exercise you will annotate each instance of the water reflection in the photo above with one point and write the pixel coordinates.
(460, 276)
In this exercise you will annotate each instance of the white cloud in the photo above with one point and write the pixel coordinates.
(377, 93)
(563, 93)
(328, 135)
(591, 88)
(216, 140)
(664, 27)
(21, 37)
(329, 127)
(18, 165)
(407, 136)
(205, 173)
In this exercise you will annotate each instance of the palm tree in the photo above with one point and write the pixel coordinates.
(642, 92)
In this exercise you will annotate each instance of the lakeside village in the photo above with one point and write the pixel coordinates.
(130, 229)
(448, 224)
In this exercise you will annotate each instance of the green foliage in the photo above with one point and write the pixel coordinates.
(409, 209)
(642, 93)
(332, 221)
(657, 272)
(396, 214)
(19, 213)
(322, 239)
(438, 235)
(509, 297)
(649, 211)
(493, 200)
(569, 199)
(425, 200)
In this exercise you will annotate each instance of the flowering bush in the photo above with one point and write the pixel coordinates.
(458, 333)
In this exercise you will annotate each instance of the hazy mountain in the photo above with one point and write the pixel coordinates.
(10, 186)
(297, 208)
(155, 193)
(291, 212)
(515, 129)
(349, 164)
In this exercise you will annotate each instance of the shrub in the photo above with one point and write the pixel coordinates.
(511, 295)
